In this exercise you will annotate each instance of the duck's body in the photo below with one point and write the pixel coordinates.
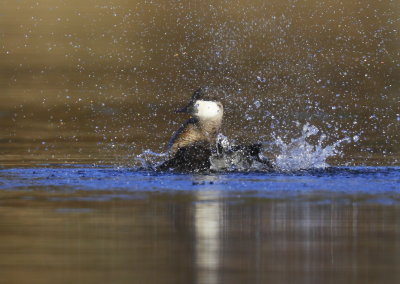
(195, 142)
(195, 131)
(204, 124)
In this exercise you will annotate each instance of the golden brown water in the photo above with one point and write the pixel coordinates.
(114, 72)
(96, 82)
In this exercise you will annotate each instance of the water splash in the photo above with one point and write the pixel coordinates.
(300, 154)
(297, 154)
(150, 160)
(230, 158)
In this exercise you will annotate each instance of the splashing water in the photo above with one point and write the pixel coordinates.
(231, 158)
(299, 154)
(149, 159)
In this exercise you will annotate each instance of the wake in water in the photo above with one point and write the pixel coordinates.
(297, 154)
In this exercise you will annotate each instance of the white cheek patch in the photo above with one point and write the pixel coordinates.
(207, 109)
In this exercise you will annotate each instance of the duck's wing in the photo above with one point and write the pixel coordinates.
(186, 135)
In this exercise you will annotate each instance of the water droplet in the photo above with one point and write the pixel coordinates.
(248, 117)
(261, 79)
(257, 103)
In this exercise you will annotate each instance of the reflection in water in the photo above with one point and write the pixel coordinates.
(208, 225)
(194, 237)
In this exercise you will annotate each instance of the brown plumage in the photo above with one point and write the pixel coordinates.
(196, 132)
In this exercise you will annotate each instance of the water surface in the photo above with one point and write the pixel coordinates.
(86, 87)
(101, 224)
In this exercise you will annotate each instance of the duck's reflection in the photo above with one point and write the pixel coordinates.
(207, 225)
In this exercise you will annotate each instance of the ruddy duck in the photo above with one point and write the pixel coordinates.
(205, 122)
(195, 143)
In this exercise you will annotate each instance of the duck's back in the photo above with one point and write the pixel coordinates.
(187, 135)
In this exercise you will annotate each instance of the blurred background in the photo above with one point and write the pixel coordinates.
(99, 80)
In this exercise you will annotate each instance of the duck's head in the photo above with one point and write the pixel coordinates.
(204, 105)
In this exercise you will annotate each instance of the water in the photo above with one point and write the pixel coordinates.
(100, 224)
(374, 184)
(80, 71)
(87, 97)
(303, 221)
